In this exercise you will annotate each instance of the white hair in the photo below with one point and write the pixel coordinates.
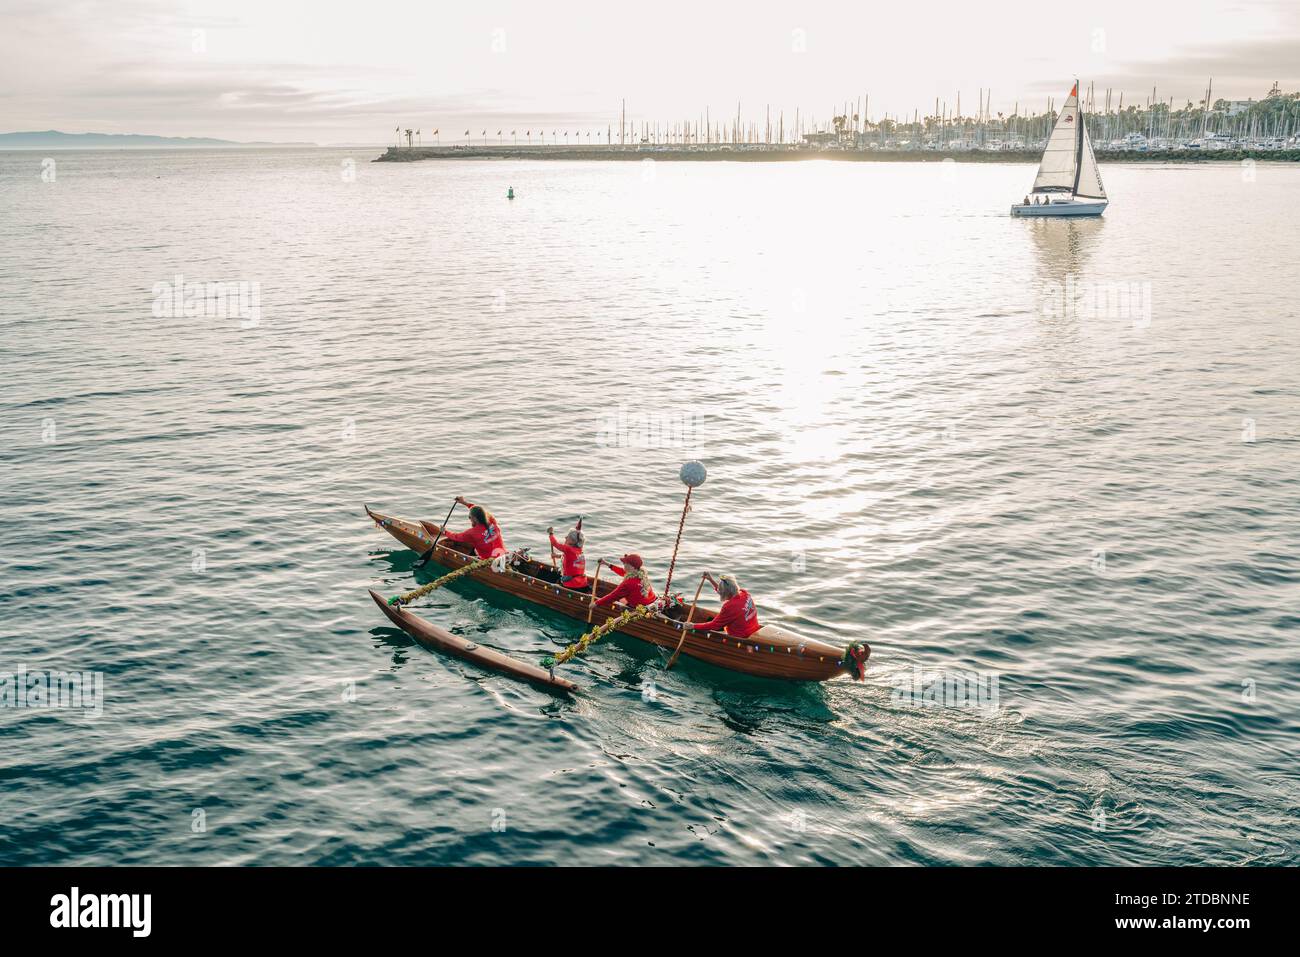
(728, 587)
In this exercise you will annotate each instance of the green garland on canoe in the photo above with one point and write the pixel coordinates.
(579, 646)
(423, 590)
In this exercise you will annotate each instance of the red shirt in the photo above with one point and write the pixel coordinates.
(737, 616)
(575, 566)
(629, 589)
(486, 539)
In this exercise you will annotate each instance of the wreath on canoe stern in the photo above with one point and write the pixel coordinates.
(855, 659)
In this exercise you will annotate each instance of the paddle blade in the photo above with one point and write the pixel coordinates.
(424, 559)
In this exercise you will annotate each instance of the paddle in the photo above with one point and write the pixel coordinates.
(424, 559)
(594, 582)
(686, 628)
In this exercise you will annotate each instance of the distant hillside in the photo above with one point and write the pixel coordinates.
(55, 140)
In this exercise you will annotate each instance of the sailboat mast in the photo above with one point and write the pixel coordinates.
(1078, 141)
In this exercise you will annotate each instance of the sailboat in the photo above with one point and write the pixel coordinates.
(1068, 181)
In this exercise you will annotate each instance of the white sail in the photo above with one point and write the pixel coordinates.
(1056, 172)
(1089, 185)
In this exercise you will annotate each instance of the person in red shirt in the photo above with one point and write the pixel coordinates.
(737, 615)
(575, 565)
(484, 534)
(635, 588)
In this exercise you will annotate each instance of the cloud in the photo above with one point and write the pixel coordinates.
(336, 70)
(1239, 70)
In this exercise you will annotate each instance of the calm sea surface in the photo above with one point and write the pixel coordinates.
(1059, 456)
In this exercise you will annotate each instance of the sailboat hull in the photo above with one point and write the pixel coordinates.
(1059, 209)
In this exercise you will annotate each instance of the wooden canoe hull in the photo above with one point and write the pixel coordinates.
(771, 652)
(439, 639)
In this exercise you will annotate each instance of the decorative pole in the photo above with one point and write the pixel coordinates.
(692, 475)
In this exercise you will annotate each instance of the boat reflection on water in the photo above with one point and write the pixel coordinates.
(1063, 350)
(1063, 247)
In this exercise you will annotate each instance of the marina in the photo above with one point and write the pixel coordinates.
(1267, 128)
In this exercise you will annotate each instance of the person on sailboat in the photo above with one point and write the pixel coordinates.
(635, 588)
(737, 614)
(574, 574)
(484, 534)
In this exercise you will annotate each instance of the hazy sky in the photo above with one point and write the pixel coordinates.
(350, 71)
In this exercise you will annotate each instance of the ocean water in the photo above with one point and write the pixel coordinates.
(1055, 460)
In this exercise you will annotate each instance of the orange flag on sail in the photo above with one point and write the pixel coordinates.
(1075, 90)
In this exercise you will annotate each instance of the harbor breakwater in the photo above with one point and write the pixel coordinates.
(760, 154)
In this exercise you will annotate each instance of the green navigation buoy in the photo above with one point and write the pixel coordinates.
(510, 193)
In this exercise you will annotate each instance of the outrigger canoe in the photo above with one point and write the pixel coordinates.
(771, 652)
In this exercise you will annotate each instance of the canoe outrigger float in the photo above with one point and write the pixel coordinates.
(771, 652)
(439, 639)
